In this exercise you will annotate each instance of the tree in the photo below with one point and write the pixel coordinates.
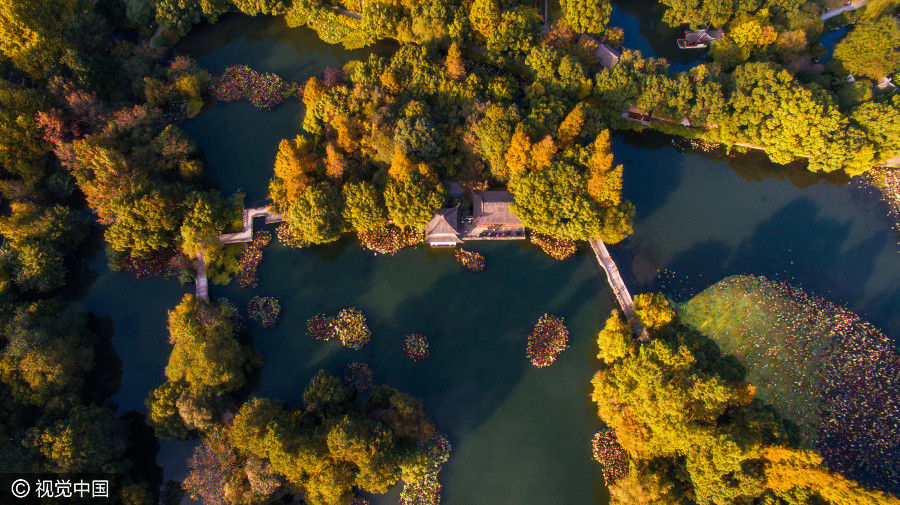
(295, 168)
(145, 222)
(653, 310)
(542, 152)
(419, 138)
(49, 353)
(518, 156)
(485, 16)
(413, 201)
(364, 207)
(554, 201)
(870, 49)
(571, 126)
(335, 163)
(494, 132)
(205, 352)
(587, 15)
(257, 7)
(455, 66)
(207, 217)
(162, 411)
(31, 32)
(315, 217)
(604, 182)
(89, 439)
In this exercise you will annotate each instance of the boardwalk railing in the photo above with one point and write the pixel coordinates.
(618, 287)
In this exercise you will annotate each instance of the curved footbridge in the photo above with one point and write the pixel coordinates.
(618, 286)
(201, 282)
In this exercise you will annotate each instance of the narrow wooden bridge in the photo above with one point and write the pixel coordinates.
(201, 282)
(618, 286)
(246, 235)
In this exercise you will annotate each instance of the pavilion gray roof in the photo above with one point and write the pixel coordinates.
(443, 226)
(493, 208)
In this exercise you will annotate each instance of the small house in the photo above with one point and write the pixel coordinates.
(443, 229)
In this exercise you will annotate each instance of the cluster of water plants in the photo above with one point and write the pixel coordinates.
(250, 258)
(470, 260)
(609, 453)
(264, 310)
(349, 326)
(820, 364)
(358, 375)
(389, 239)
(556, 248)
(241, 82)
(416, 347)
(548, 338)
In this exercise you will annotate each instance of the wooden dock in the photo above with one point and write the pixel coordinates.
(619, 288)
(246, 235)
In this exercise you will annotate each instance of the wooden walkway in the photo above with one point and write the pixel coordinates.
(201, 283)
(841, 10)
(246, 235)
(618, 286)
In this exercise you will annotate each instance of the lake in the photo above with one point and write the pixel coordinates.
(520, 434)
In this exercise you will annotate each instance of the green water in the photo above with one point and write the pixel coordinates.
(520, 435)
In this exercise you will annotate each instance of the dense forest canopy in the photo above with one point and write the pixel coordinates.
(479, 92)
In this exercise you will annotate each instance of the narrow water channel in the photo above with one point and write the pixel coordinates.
(520, 435)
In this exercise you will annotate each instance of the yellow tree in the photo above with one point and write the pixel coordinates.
(485, 17)
(335, 163)
(312, 92)
(403, 168)
(456, 68)
(604, 182)
(295, 167)
(518, 154)
(571, 126)
(542, 153)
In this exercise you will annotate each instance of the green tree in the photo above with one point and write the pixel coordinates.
(207, 217)
(89, 439)
(32, 32)
(316, 216)
(364, 207)
(205, 352)
(257, 7)
(163, 413)
(587, 15)
(49, 353)
(870, 49)
(145, 222)
(555, 202)
(413, 200)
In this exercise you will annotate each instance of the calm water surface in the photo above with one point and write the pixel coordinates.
(520, 435)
